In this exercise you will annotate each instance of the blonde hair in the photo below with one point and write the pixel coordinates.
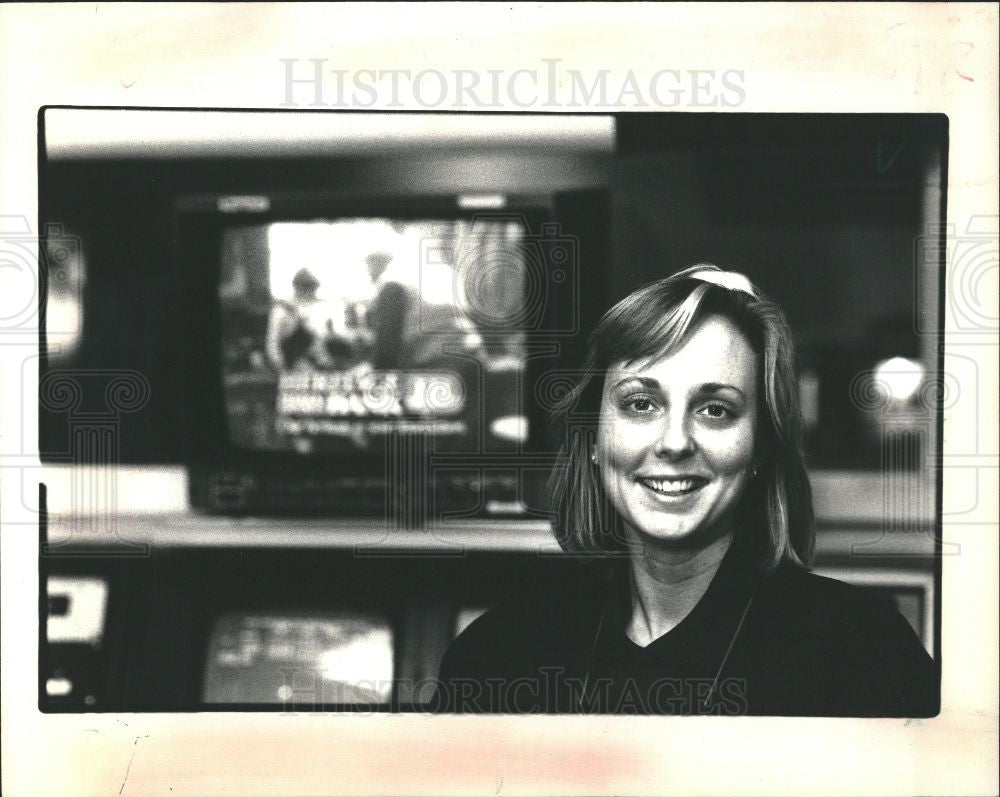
(652, 321)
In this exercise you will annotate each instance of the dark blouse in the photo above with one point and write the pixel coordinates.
(789, 643)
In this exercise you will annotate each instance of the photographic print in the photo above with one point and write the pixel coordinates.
(463, 419)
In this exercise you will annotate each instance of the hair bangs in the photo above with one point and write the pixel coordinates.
(647, 325)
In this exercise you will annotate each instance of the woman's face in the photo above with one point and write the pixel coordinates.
(675, 444)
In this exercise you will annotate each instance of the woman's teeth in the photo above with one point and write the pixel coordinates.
(673, 486)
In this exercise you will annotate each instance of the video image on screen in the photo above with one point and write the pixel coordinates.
(299, 659)
(336, 332)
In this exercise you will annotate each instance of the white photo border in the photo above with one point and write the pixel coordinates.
(822, 57)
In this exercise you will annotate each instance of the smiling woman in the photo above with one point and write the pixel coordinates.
(690, 493)
(675, 451)
(676, 436)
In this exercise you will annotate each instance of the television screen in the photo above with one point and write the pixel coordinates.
(302, 661)
(337, 332)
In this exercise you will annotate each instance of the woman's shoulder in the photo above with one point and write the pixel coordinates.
(811, 594)
(849, 635)
(803, 598)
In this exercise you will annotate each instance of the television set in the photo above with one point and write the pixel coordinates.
(302, 661)
(378, 355)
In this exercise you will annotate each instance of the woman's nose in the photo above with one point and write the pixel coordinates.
(674, 438)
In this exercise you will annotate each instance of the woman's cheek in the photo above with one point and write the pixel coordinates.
(626, 444)
(731, 450)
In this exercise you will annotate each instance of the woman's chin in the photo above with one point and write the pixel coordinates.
(679, 536)
(667, 536)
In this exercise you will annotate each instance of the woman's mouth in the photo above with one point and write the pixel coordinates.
(674, 487)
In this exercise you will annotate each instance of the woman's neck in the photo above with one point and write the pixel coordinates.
(667, 584)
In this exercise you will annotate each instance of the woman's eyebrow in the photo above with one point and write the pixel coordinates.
(714, 387)
(645, 381)
(654, 384)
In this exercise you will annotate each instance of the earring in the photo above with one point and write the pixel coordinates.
(593, 457)
(754, 474)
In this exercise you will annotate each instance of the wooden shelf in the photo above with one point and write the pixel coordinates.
(840, 497)
(190, 530)
(123, 533)
(150, 509)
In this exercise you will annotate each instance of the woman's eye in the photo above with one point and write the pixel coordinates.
(640, 404)
(717, 411)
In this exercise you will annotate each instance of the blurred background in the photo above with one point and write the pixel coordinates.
(194, 562)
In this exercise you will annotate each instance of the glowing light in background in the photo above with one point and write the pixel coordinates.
(363, 661)
(58, 687)
(899, 377)
(510, 427)
(482, 201)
